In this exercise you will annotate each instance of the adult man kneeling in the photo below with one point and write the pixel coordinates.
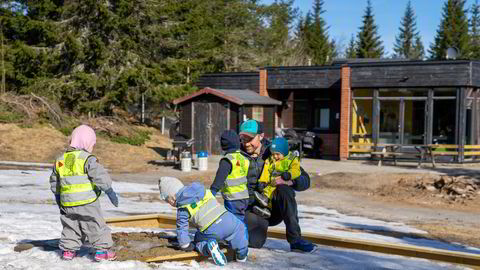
(284, 205)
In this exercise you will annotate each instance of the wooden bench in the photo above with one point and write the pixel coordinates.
(442, 150)
(397, 150)
(361, 148)
(469, 151)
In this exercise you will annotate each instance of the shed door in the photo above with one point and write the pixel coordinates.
(210, 120)
(200, 130)
(218, 124)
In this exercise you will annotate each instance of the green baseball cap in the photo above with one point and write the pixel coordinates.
(250, 128)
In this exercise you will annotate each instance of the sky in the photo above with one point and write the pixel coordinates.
(344, 18)
(28, 213)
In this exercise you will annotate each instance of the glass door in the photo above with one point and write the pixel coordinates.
(389, 124)
(414, 124)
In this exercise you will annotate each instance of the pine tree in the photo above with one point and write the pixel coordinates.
(475, 31)
(319, 47)
(418, 51)
(452, 31)
(408, 42)
(351, 51)
(278, 46)
(369, 44)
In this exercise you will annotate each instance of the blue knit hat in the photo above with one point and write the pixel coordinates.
(229, 141)
(279, 145)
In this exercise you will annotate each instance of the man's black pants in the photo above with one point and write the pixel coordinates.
(284, 208)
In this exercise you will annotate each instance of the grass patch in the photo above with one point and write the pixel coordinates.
(9, 116)
(137, 137)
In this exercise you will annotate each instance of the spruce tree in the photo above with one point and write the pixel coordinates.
(369, 44)
(351, 51)
(475, 31)
(452, 31)
(319, 47)
(408, 43)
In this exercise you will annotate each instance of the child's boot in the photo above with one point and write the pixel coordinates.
(68, 255)
(263, 212)
(105, 255)
(217, 255)
(242, 256)
(261, 199)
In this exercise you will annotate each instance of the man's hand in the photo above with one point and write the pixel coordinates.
(261, 186)
(112, 196)
(286, 176)
(280, 181)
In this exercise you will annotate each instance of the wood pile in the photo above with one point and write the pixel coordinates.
(453, 188)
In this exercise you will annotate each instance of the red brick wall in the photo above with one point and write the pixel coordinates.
(263, 83)
(345, 112)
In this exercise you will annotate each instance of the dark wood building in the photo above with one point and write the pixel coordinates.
(371, 101)
(205, 114)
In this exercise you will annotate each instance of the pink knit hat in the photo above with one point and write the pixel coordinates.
(83, 137)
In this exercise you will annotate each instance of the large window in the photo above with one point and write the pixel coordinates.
(301, 117)
(408, 116)
(362, 121)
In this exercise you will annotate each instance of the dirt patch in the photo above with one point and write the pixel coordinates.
(402, 196)
(44, 143)
(142, 246)
(397, 187)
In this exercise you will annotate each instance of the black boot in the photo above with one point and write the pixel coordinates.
(263, 212)
(261, 199)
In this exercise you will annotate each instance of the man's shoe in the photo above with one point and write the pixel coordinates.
(217, 255)
(105, 255)
(242, 257)
(261, 199)
(68, 255)
(303, 246)
(263, 212)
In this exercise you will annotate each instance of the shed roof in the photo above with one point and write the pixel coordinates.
(237, 96)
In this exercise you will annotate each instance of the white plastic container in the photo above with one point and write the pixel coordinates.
(202, 158)
(186, 162)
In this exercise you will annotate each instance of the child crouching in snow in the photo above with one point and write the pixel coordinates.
(77, 181)
(196, 204)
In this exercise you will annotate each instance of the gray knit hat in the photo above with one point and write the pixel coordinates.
(169, 186)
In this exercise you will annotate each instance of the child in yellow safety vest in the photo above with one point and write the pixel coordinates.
(196, 205)
(231, 177)
(282, 167)
(77, 181)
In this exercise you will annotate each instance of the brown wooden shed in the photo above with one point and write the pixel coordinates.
(205, 114)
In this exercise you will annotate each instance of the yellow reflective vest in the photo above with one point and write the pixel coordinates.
(75, 186)
(273, 168)
(236, 183)
(205, 212)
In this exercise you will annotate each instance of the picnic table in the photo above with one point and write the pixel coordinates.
(394, 151)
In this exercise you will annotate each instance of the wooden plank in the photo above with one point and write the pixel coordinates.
(464, 258)
(452, 153)
(451, 146)
(381, 247)
(360, 150)
(361, 144)
(26, 164)
(412, 75)
(472, 147)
